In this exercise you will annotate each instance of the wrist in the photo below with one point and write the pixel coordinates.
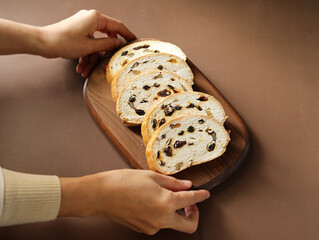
(74, 197)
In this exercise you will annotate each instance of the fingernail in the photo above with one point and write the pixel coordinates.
(187, 183)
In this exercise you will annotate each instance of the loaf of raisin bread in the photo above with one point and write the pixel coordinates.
(137, 49)
(140, 94)
(184, 142)
(180, 105)
(155, 61)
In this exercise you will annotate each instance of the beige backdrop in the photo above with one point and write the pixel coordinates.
(262, 55)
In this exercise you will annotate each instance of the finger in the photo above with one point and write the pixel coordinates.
(188, 223)
(109, 24)
(104, 44)
(82, 63)
(92, 60)
(190, 211)
(172, 183)
(112, 34)
(184, 199)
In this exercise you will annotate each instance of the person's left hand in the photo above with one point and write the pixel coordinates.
(74, 38)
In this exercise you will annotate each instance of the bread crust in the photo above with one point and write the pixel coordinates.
(118, 111)
(152, 161)
(116, 52)
(144, 129)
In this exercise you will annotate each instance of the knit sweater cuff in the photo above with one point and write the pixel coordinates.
(29, 198)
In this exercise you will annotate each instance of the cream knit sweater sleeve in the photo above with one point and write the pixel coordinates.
(29, 198)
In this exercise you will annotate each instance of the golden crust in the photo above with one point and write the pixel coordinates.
(145, 130)
(151, 161)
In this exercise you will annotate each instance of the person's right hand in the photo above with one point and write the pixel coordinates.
(142, 200)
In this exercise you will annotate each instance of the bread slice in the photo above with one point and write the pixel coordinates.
(155, 61)
(140, 94)
(180, 105)
(137, 49)
(186, 141)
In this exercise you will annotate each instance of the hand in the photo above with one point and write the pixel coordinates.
(74, 38)
(143, 200)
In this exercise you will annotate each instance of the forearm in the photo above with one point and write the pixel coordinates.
(20, 38)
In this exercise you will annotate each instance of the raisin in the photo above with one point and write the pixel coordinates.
(179, 165)
(158, 154)
(145, 62)
(146, 87)
(140, 47)
(136, 72)
(172, 125)
(201, 121)
(139, 112)
(124, 53)
(200, 130)
(164, 93)
(181, 133)
(154, 123)
(199, 108)
(160, 67)
(179, 144)
(211, 146)
(203, 99)
(156, 85)
(155, 98)
(158, 76)
(173, 60)
(191, 105)
(163, 136)
(172, 79)
(162, 122)
(191, 129)
(135, 65)
(125, 62)
(168, 110)
(190, 144)
(177, 107)
(169, 113)
(212, 133)
(162, 163)
(171, 87)
(156, 51)
(143, 101)
(132, 98)
(168, 151)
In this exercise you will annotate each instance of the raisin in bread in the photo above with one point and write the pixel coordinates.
(139, 95)
(180, 105)
(159, 61)
(184, 142)
(137, 49)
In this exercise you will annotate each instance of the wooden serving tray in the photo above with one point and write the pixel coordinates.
(128, 140)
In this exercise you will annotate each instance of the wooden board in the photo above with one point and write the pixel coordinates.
(128, 140)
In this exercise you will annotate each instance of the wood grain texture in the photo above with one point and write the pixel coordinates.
(128, 140)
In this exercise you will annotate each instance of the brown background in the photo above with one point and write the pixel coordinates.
(262, 55)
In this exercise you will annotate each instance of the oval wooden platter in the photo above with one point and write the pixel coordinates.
(128, 140)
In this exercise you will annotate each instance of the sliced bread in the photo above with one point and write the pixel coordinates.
(155, 61)
(137, 49)
(180, 105)
(141, 93)
(184, 142)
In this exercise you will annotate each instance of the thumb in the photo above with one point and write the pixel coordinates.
(104, 44)
(172, 183)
